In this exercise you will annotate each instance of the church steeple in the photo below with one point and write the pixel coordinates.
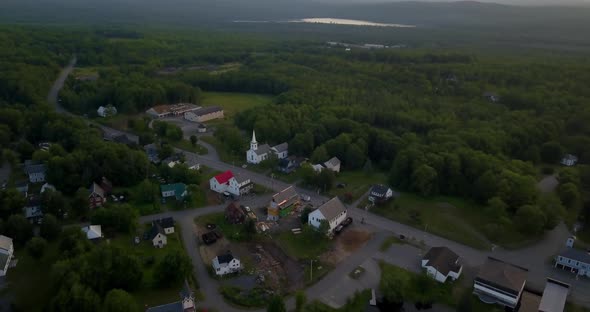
(253, 144)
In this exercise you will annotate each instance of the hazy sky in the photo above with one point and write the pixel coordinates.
(517, 2)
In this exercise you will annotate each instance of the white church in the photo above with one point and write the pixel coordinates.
(256, 154)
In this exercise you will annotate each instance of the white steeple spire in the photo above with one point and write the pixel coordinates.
(253, 144)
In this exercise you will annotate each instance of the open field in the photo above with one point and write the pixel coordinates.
(452, 218)
(233, 102)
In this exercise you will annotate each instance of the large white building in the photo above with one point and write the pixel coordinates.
(226, 264)
(332, 211)
(499, 282)
(257, 154)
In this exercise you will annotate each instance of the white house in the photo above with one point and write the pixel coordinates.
(157, 235)
(333, 164)
(220, 182)
(569, 160)
(93, 232)
(35, 171)
(227, 182)
(256, 154)
(333, 211)
(281, 151)
(380, 193)
(441, 263)
(226, 264)
(109, 110)
(317, 168)
(499, 282)
(6, 253)
(240, 186)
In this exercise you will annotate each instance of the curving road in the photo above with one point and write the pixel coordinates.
(535, 258)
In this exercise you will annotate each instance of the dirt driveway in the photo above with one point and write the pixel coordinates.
(345, 244)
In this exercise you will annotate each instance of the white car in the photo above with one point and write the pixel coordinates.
(248, 209)
(305, 198)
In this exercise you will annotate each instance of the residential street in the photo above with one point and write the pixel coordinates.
(336, 286)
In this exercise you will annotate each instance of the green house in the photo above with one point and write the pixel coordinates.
(177, 190)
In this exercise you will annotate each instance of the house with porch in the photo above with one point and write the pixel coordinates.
(332, 211)
(281, 151)
(157, 235)
(333, 164)
(35, 171)
(167, 224)
(227, 182)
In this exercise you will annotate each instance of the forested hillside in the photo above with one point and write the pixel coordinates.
(419, 115)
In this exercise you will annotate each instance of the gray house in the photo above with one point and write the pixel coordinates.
(35, 171)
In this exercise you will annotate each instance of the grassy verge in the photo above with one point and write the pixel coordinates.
(255, 298)
(307, 245)
(390, 241)
(357, 183)
(234, 103)
(223, 153)
(451, 218)
(187, 146)
(233, 232)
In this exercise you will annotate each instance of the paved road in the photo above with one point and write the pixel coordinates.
(58, 84)
(534, 257)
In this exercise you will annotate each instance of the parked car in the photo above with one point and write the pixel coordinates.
(338, 229)
(347, 221)
(305, 198)
(341, 185)
(209, 238)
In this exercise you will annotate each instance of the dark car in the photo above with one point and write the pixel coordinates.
(347, 222)
(338, 229)
(209, 238)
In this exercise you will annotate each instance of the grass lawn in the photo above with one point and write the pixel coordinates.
(224, 154)
(307, 245)
(32, 276)
(187, 146)
(452, 218)
(357, 184)
(234, 103)
(148, 294)
(233, 232)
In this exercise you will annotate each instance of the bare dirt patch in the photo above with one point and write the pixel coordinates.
(345, 244)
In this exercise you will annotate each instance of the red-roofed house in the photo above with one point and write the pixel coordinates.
(220, 182)
(227, 182)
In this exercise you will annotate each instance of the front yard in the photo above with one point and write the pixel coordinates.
(354, 184)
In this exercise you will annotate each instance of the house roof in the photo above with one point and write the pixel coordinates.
(33, 212)
(178, 188)
(281, 147)
(503, 275)
(225, 258)
(379, 189)
(224, 177)
(443, 260)
(3, 259)
(160, 109)
(166, 222)
(554, 296)
(31, 168)
(285, 195)
(576, 254)
(332, 208)
(92, 231)
(33, 201)
(208, 110)
(334, 161)
(5, 242)
(96, 189)
(155, 230)
(262, 149)
(570, 157)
